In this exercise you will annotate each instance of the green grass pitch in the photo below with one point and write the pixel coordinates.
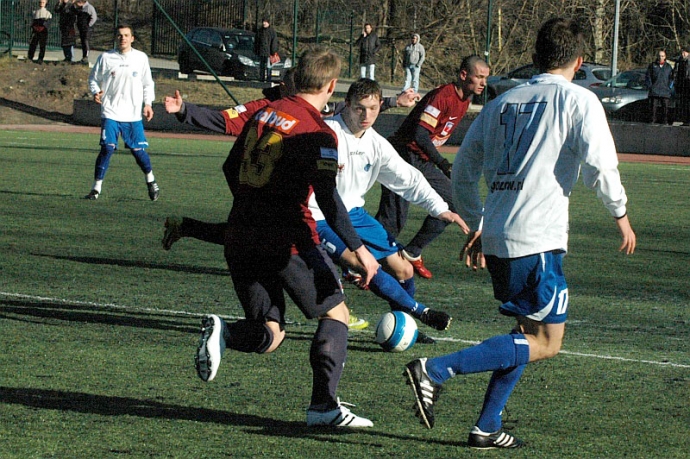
(98, 327)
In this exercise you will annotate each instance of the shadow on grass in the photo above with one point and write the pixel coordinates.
(139, 264)
(93, 314)
(52, 116)
(105, 405)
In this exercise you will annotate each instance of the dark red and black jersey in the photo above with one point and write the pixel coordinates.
(285, 153)
(439, 112)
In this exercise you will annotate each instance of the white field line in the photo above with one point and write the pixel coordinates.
(197, 314)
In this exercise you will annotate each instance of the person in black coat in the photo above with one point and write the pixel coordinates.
(67, 21)
(266, 44)
(658, 80)
(681, 80)
(369, 46)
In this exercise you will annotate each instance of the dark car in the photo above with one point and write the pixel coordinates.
(589, 76)
(229, 52)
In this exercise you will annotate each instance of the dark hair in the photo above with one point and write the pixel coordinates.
(362, 88)
(125, 26)
(470, 62)
(559, 42)
(685, 48)
(316, 67)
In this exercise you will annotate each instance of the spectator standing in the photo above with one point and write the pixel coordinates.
(39, 31)
(67, 21)
(86, 18)
(121, 82)
(681, 81)
(413, 58)
(658, 81)
(369, 46)
(266, 44)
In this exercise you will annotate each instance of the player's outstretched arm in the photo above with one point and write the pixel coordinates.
(628, 235)
(472, 251)
(452, 217)
(407, 98)
(173, 104)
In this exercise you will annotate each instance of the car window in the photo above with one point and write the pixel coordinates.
(525, 72)
(602, 74)
(203, 37)
(580, 75)
(216, 40)
(245, 42)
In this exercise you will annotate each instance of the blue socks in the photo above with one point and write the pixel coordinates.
(505, 355)
(498, 353)
(390, 289)
(500, 387)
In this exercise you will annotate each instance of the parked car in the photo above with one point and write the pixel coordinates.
(590, 76)
(229, 52)
(625, 95)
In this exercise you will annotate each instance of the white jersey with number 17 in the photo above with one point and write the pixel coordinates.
(530, 144)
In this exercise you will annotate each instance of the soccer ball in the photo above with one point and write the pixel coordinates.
(396, 331)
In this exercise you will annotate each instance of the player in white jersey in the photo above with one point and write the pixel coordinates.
(364, 158)
(530, 144)
(121, 82)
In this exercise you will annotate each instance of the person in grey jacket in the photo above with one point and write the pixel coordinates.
(413, 58)
(658, 81)
(86, 18)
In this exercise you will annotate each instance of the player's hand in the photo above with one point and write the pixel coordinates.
(407, 98)
(628, 235)
(369, 263)
(452, 217)
(446, 167)
(98, 97)
(148, 112)
(472, 251)
(173, 104)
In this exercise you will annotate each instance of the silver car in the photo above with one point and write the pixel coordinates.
(625, 95)
(590, 76)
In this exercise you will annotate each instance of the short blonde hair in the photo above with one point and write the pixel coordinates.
(316, 67)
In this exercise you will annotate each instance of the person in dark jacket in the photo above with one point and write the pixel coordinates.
(266, 44)
(681, 80)
(86, 18)
(67, 21)
(658, 81)
(369, 45)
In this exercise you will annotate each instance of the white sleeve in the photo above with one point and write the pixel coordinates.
(600, 163)
(96, 77)
(407, 181)
(147, 82)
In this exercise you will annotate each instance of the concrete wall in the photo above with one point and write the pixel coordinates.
(639, 138)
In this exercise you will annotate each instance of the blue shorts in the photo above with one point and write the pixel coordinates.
(370, 231)
(531, 286)
(132, 133)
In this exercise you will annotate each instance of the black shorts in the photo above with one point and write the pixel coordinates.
(310, 279)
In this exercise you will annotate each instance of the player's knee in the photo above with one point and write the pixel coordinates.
(340, 313)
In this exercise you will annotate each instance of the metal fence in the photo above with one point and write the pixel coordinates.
(186, 15)
(15, 20)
